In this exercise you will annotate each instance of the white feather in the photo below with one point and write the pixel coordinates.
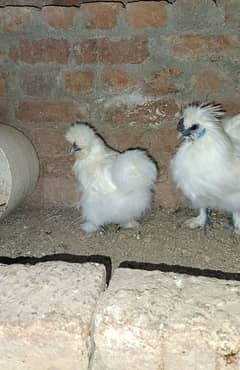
(232, 126)
(207, 169)
(115, 187)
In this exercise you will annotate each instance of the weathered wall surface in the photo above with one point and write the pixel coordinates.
(124, 70)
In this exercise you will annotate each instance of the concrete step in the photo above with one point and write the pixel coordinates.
(149, 320)
(46, 315)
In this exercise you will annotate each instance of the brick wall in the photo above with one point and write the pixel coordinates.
(125, 70)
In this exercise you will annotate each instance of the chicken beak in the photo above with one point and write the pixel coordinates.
(74, 149)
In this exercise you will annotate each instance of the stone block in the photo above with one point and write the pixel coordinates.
(46, 315)
(150, 320)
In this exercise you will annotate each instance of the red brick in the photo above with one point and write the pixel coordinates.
(133, 51)
(57, 168)
(161, 142)
(146, 14)
(231, 105)
(59, 17)
(79, 81)
(149, 113)
(195, 46)
(37, 81)
(14, 19)
(41, 51)
(208, 81)
(60, 111)
(118, 79)
(101, 15)
(3, 83)
(60, 190)
(48, 141)
(163, 82)
(231, 10)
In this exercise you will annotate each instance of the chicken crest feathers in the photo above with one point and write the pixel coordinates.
(203, 112)
(81, 133)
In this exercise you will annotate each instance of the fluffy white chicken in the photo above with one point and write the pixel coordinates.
(206, 167)
(115, 187)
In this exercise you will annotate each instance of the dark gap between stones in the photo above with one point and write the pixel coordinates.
(193, 271)
(64, 257)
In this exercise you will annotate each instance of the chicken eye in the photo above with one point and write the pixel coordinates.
(194, 127)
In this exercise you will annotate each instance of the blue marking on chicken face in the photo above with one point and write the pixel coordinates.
(190, 132)
(202, 133)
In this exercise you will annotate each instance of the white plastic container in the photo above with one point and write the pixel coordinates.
(19, 168)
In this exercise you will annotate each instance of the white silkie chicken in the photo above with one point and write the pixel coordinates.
(115, 187)
(206, 167)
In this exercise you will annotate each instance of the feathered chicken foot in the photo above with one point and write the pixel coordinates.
(202, 221)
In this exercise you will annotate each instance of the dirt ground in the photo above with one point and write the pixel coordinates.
(161, 238)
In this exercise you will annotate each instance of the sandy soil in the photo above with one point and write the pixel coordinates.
(161, 238)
